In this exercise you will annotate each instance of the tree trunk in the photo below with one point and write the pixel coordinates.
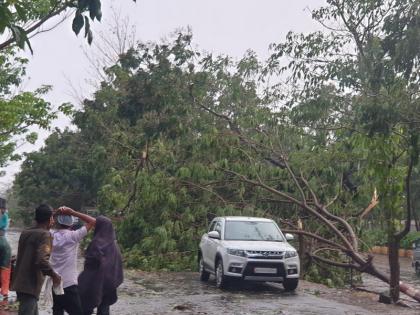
(302, 253)
(395, 239)
(403, 287)
(394, 265)
(416, 219)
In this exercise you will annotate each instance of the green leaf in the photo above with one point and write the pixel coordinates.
(87, 26)
(95, 9)
(20, 36)
(21, 11)
(78, 22)
(90, 37)
(5, 17)
(32, 137)
(82, 4)
(66, 108)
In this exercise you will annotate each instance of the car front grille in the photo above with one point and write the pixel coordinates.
(263, 254)
(250, 269)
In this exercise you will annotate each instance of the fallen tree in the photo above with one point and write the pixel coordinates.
(345, 239)
(341, 236)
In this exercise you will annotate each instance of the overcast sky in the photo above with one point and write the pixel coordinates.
(220, 26)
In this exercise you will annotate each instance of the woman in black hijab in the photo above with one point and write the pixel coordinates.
(103, 270)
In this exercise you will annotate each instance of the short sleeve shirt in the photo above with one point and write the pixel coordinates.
(64, 254)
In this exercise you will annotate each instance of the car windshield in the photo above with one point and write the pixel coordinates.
(252, 231)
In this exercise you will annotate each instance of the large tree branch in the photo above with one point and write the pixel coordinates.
(316, 237)
(45, 30)
(304, 206)
(140, 165)
(330, 216)
(334, 263)
(237, 130)
(353, 31)
(292, 174)
(373, 203)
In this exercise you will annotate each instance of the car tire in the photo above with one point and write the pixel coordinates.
(204, 275)
(221, 279)
(290, 284)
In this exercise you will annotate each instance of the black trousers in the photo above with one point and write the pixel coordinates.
(103, 309)
(69, 302)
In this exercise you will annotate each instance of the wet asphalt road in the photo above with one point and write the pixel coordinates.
(183, 293)
(407, 275)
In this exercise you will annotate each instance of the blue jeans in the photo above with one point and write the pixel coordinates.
(28, 304)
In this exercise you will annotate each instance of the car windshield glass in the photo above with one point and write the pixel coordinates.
(252, 231)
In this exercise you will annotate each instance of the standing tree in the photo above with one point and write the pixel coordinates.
(20, 20)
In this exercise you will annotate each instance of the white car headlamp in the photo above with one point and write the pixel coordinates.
(236, 252)
(290, 254)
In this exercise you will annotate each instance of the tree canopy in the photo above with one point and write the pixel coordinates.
(20, 20)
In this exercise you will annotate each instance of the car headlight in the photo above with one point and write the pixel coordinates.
(290, 254)
(236, 252)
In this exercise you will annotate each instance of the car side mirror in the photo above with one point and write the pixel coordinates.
(289, 237)
(214, 234)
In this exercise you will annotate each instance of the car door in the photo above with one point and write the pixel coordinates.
(205, 246)
(213, 244)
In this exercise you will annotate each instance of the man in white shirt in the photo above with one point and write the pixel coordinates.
(64, 259)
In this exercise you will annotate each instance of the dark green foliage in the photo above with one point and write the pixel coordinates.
(330, 276)
(64, 172)
(373, 237)
(408, 240)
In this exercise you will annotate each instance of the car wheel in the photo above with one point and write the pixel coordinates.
(221, 279)
(290, 284)
(417, 269)
(204, 275)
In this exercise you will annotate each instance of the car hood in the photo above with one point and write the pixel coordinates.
(258, 245)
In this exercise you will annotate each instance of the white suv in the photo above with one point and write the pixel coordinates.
(246, 248)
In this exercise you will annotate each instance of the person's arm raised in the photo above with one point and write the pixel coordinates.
(90, 221)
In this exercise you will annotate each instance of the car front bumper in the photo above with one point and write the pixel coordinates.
(252, 269)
